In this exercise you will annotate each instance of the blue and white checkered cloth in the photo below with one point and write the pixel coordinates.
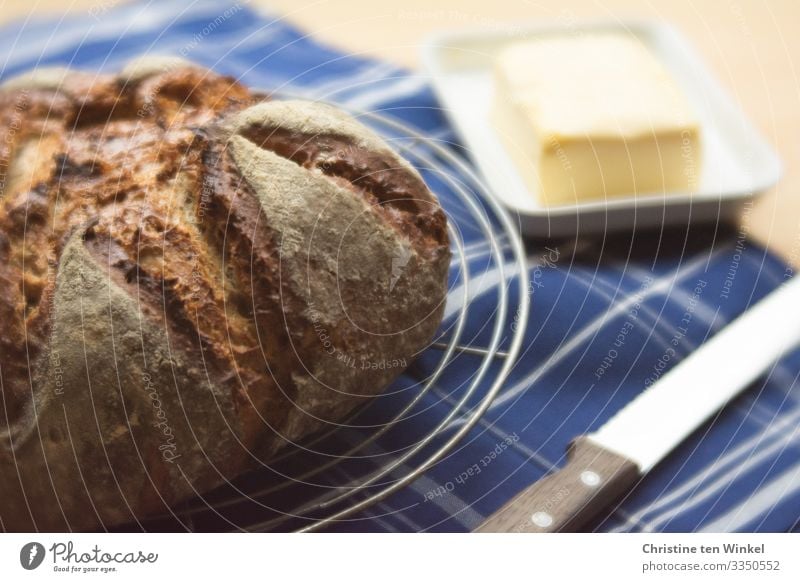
(606, 320)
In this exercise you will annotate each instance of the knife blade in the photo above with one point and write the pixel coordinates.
(603, 465)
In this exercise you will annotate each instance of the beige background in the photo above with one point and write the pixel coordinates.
(752, 45)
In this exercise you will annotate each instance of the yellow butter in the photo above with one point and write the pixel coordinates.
(592, 117)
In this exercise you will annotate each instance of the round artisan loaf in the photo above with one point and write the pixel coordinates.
(190, 278)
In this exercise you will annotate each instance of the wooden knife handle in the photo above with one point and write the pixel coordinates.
(567, 499)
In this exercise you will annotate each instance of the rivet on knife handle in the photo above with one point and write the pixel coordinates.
(567, 499)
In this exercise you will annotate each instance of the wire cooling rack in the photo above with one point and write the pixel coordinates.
(344, 471)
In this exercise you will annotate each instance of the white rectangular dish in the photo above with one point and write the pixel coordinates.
(737, 162)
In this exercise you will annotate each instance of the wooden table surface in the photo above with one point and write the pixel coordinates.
(752, 45)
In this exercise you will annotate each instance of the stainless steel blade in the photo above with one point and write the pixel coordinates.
(662, 416)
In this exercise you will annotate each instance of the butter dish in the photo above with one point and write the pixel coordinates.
(737, 162)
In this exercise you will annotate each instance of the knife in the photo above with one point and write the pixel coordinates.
(603, 465)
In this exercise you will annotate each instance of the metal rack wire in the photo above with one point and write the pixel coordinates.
(266, 498)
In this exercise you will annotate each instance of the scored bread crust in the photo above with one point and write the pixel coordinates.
(190, 278)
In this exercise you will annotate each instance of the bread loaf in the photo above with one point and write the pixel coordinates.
(191, 277)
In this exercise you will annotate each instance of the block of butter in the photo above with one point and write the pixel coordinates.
(594, 116)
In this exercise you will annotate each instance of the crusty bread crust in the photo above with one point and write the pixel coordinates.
(190, 278)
